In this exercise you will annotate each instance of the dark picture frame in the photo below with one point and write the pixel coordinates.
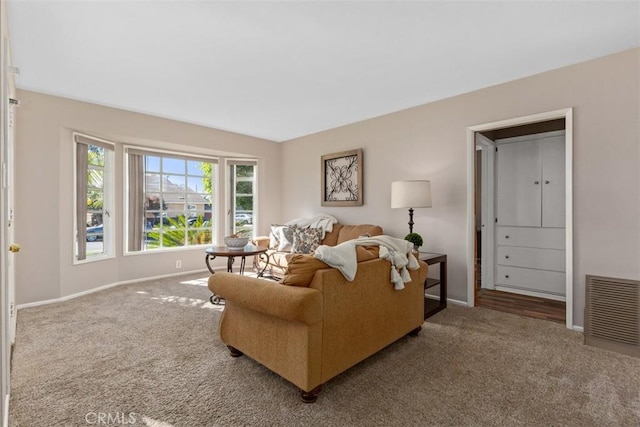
(342, 178)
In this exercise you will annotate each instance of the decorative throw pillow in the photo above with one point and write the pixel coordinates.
(286, 238)
(274, 236)
(306, 240)
(281, 237)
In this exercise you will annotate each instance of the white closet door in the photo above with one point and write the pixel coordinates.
(518, 184)
(553, 186)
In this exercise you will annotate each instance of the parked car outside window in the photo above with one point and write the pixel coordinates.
(95, 233)
(244, 218)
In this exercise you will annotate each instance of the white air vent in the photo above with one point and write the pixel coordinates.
(612, 314)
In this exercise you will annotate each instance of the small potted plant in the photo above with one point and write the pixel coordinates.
(414, 238)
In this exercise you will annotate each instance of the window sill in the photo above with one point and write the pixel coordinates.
(94, 258)
(170, 250)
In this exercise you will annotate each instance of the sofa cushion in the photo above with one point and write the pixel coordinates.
(365, 253)
(301, 269)
(306, 240)
(349, 232)
(277, 264)
(331, 239)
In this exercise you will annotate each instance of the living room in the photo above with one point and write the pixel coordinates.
(427, 141)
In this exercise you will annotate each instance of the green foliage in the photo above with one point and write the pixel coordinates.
(179, 232)
(244, 170)
(414, 238)
(95, 179)
(244, 203)
(95, 200)
(244, 187)
(95, 155)
(206, 179)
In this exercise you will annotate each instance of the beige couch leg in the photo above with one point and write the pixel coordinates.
(310, 396)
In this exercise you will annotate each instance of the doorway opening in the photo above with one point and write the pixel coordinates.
(491, 270)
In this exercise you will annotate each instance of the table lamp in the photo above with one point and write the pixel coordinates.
(411, 194)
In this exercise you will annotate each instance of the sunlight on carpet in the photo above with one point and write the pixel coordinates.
(186, 301)
(196, 282)
(150, 422)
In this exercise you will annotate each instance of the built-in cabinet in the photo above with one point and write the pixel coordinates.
(530, 220)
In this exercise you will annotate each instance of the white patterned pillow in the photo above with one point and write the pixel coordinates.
(286, 238)
(281, 237)
(274, 236)
(306, 240)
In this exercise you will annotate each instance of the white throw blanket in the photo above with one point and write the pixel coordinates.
(342, 256)
(397, 251)
(322, 221)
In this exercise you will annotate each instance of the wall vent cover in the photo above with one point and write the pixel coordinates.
(612, 314)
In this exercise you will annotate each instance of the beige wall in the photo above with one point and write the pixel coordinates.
(429, 142)
(44, 191)
(425, 142)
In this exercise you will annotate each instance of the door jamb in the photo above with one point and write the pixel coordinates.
(487, 207)
(567, 115)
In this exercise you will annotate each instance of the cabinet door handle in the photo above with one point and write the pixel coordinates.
(506, 276)
(536, 182)
(546, 182)
(506, 237)
(506, 256)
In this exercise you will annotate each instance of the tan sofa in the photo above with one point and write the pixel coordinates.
(308, 335)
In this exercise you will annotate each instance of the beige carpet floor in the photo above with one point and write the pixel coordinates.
(148, 354)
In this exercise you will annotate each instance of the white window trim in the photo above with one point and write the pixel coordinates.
(125, 200)
(109, 202)
(229, 218)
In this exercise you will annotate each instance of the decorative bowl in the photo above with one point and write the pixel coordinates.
(236, 242)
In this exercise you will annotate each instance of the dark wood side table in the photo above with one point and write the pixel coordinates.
(432, 306)
(231, 253)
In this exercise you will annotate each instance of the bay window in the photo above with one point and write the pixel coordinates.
(170, 200)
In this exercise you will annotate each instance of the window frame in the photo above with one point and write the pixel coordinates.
(230, 224)
(108, 202)
(146, 151)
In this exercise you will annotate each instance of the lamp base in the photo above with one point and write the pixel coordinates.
(411, 220)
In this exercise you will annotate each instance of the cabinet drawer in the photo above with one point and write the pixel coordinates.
(544, 259)
(535, 280)
(548, 238)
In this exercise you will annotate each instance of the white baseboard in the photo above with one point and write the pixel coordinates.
(449, 300)
(457, 302)
(578, 328)
(101, 288)
(5, 420)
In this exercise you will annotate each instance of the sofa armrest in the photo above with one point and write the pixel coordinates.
(285, 302)
(262, 241)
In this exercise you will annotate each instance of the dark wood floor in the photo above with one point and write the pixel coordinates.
(523, 305)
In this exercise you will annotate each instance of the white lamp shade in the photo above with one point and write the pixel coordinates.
(411, 194)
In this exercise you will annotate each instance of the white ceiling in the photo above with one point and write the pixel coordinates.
(280, 70)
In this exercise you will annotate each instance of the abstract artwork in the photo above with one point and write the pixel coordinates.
(342, 179)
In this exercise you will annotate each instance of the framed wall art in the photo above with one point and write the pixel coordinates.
(342, 179)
